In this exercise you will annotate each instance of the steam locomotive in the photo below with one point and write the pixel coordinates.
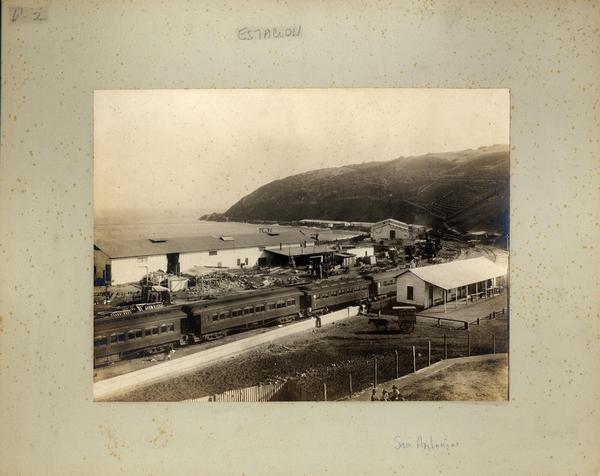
(126, 333)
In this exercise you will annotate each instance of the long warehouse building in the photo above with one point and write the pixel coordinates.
(127, 261)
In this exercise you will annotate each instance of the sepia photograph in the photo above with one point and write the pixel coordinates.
(262, 245)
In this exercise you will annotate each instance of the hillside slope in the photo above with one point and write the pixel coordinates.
(467, 189)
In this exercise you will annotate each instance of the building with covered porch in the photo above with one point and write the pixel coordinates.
(450, 282)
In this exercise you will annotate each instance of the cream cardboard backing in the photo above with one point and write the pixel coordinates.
(55, 54)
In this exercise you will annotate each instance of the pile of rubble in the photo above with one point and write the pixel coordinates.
(217, 283)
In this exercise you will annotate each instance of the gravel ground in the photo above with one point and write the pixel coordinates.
(469, 381)
(327, 356)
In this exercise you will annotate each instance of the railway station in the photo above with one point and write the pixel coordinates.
(185, 292)
(454, 281)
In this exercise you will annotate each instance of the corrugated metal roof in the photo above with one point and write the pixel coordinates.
(241, 297)
(145, 247)
(460, 272)
(390, 221)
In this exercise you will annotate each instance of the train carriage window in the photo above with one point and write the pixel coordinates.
(224, 315)
(271, 306)
(113, 338)
(99, 340)
(291, 302)
(130, 335)
(280, 304)
(147, 331)
(250, 310)
(121, 337)
(215, 317)
(154, 330)
(138, 333)
(171, 327)
(260, 308)
(236, 313)
(163, 328)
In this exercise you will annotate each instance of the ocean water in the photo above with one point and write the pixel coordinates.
(129, 225)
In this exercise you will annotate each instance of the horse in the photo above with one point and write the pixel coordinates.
(379, 323)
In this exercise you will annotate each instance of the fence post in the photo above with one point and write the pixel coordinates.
(428, 353)
(350, 384)
(494, 340)
(325, 392)
(445, 347)
(477, 321)
(375, 371)
(469, 344)
(414, 360)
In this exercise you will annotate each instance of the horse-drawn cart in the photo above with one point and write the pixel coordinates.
(405, 319)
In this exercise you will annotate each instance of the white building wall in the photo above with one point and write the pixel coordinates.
(223, 258)
(131, 270)
(382, 232)
(419, 289)
(361, 251)
(100, 262)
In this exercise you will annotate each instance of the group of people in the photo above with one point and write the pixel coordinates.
(393, 396)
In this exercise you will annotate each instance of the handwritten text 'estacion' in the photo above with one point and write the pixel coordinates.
(269, 33)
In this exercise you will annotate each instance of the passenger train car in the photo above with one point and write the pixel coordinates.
(124, 333)
(330, 294)
(382, 289)
(213, 319)
(127, 333)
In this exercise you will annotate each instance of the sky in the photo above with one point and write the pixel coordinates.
(206, 149)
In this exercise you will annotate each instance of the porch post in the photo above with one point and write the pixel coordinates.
(445, 299)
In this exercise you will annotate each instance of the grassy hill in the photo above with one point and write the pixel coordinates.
(467, 189)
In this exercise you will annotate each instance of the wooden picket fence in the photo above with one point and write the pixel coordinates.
(259, 393)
